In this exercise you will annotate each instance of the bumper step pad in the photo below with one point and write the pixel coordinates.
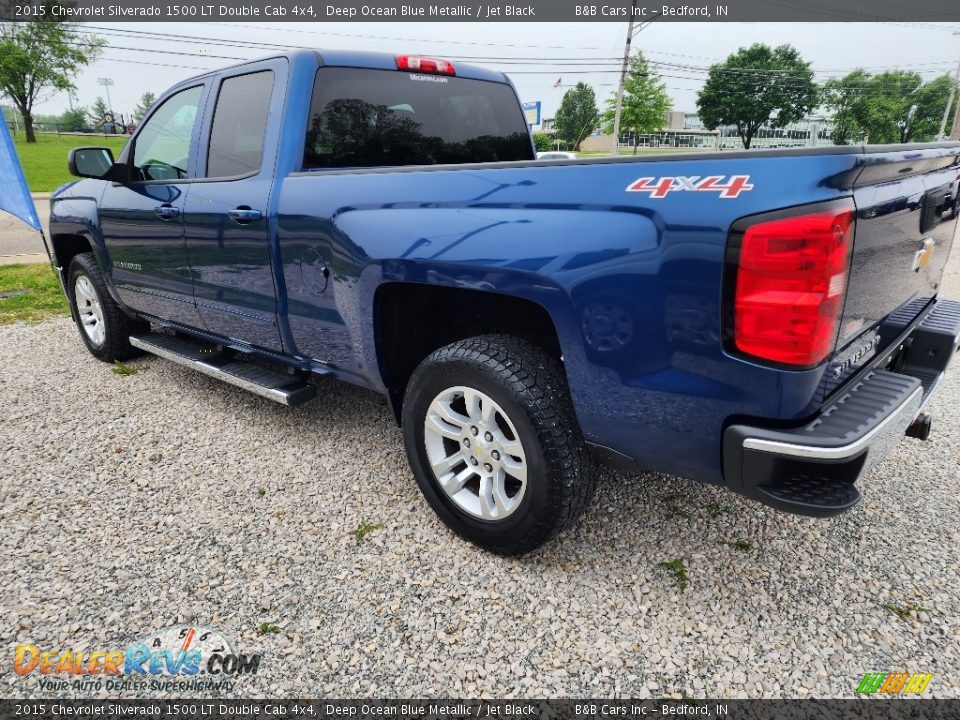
(216, 362)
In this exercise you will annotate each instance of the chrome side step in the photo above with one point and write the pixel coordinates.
(210, 360)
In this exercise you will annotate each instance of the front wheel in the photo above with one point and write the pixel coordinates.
(103, 325)
(494, 444)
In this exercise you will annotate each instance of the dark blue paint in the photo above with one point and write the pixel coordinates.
(632, 284)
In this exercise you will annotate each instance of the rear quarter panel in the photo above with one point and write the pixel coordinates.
(631, 283)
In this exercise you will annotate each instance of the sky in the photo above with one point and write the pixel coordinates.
(535, 55)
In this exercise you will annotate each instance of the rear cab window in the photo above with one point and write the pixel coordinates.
(381, 118)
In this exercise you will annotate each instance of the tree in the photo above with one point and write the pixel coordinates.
(757, 86)
(645, 102)
(891, 107)
(846, 97)
(98, 113)
(40, 57)
(72, 120)
(542, 141)
(578, 115)
(146, 102)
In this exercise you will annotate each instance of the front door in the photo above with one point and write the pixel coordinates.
(142, 220)
(226, 216)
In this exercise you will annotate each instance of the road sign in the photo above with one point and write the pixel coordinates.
(531, 111)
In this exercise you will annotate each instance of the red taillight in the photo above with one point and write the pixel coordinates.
(413, 63)
(791, 279)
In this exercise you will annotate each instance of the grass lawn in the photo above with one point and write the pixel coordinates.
(45, 163)
(43, 297)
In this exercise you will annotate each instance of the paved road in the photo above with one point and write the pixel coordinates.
(18, 241)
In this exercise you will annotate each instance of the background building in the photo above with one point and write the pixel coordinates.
(686, 130)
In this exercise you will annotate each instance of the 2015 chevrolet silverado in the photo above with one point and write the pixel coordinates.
(767, 321)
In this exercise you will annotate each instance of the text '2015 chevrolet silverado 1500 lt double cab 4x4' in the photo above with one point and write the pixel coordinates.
(767, 321)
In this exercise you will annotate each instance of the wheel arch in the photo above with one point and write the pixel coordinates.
(411, 320)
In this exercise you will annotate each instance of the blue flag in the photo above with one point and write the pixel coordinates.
(14, 193)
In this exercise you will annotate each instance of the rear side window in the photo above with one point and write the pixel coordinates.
(239, 124)
(377, 118)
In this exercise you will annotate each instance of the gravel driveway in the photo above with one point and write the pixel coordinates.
(135, 502)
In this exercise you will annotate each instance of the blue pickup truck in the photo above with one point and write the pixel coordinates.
(766, 321)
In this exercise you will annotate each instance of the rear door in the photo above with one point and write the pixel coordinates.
(142, 220)
(226, 215)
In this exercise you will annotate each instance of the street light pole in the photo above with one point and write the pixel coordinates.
(107, 83)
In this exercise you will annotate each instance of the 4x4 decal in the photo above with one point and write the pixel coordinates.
(729, 186)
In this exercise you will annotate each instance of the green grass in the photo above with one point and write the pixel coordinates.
(45, 162)
(904, 612)
(43, 297)
(267, 628)
(121, 368)
(364, 529)
(678, 570)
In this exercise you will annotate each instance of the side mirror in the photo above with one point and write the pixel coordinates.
(90, 162)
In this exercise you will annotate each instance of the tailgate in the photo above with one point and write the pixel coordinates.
(906, 201)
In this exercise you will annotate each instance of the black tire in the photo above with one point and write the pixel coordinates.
(530, 387)
(118, 326)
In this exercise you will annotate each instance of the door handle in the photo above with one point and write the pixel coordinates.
(243, 215)
(166, 212)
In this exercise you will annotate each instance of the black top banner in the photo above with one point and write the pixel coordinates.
(327, 11)
(613, 709)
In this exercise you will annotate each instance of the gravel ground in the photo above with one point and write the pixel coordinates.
(136, 502)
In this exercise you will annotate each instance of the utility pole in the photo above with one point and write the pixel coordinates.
(623, 75)
(623, 79)
(946, 110)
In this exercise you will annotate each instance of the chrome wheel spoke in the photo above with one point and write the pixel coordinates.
(503, 502)
(488, 504)
(454, 483)
(444, 427)
(442, 409)
(444, 465)
(515, 469)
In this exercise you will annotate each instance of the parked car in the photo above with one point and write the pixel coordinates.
(766, 321)
(556, 155)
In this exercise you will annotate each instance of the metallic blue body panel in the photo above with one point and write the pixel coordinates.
(632, 284)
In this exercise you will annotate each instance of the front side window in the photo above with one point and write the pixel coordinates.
(375, 118)
(162, 149)
(239, 125)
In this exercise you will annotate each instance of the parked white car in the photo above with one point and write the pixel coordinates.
(555, 155)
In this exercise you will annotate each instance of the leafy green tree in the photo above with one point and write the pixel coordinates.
(39, 58)
(845, 97)
(757, 86)
(891, 107)
(542, 141)
(146, 102)
(73, 119)
(645, 101)
(578, 115)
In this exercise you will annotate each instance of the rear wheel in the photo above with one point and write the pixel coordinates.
(104, 327)
(493, 442)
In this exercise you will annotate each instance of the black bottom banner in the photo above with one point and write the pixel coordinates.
(291, 709)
